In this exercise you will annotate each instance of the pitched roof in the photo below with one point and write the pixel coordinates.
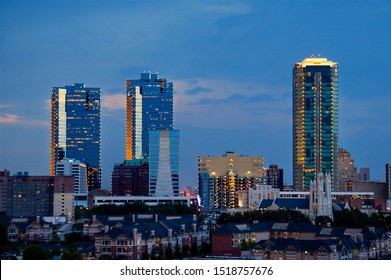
(292, 203)
(227, 229)
(266, 203)
(298, 245)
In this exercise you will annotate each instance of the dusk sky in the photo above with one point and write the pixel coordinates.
(230, 62)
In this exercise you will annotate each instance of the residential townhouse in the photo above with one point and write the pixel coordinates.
(306, 241)
(28, 229)
(135, 236)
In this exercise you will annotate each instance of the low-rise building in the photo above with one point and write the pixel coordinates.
(136, 236)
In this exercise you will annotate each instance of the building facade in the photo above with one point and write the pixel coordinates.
(130, 177)
(164, 163)
(275, 176)
(149, 106)
(78, 170)
(388, 179)
(315, 121)
(346, 170)
(76, 129)
(222, 178)
(24, 195)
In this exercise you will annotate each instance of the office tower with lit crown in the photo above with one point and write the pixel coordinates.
(75, 129)
(164, 163)
(315, 121)
(149, 106)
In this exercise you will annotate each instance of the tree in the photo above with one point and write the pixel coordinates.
(194, 249)
(168, 254)
(35, 252)
(3, 234)
(72, 255)
(378, 220)
(206, 249)
(323, 220)
(280, 215)
(351, 218)
(246, 245)
(186, 251)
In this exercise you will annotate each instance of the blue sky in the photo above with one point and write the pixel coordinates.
(230, 61)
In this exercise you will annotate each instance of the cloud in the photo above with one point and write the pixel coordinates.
(197, 90)
(9, 118)
(358, 117)
(3, 106)
(18, 120)
(114, 102)
(227, 104)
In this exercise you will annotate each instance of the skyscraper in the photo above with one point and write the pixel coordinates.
(149, 106)
(75, 129)
(164, 163)
(315, 121)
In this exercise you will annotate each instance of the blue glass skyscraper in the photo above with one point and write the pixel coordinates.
(75, 129)
(149, 106)
(315, 121)
(164, 163)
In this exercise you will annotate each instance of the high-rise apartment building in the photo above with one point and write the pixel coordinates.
(78, 170)
(149, 106)
(315, 121)
(347, 173)
(130, 178)
(25, 195)
(75, 129)
(221, 178)
(164, 163)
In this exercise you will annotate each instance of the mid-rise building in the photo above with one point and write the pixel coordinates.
(164, 163)
(364, 174)
(221, 178)
(346, 170)
(76, 129)
(130, 178)
(315, 121)
(78, 170)
(149, 106)
(275, 176)
(24, 195)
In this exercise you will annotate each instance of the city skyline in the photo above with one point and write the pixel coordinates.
(232, 74)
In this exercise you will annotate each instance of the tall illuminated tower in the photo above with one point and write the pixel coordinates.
(164, 163)
(315, 121)
(75, 129)
(149, 106)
